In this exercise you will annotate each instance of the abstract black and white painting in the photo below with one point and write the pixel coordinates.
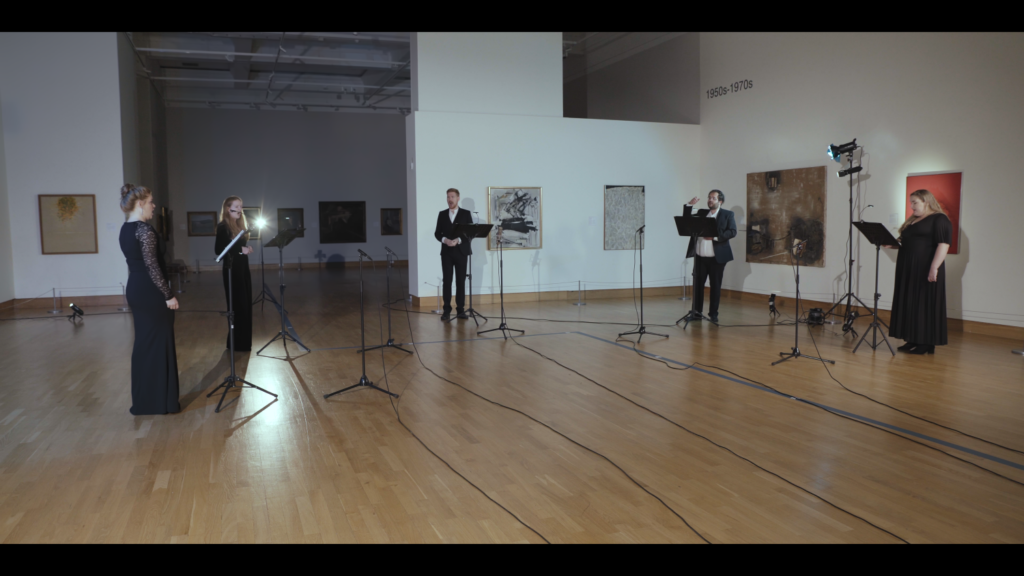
(623, 216)
(518, 212)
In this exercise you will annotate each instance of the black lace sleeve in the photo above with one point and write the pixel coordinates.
(146, 236)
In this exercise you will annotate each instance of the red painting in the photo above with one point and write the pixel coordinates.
(946, 189)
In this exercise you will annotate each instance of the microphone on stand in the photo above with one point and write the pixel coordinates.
(641, 229)
(390, 251)
(364, 254)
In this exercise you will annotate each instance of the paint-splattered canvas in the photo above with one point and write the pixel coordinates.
(518, 212)
(783, 206)
(623, 216)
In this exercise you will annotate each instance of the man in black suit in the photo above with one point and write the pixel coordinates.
(711, 254)
(454, 253)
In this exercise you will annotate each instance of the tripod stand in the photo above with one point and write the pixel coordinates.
(363, 380)
(232, 380)
(391, 341)
(878, 235)
(695, 227)
(798, 250)
(850, 316)
(470, 231)
(265, 293)
(280, 241)
(641, 330)
(501, 289)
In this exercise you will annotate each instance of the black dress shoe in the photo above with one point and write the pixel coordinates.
(446, 317)
(714, 318)
(462, 316)
(906, 347)
(924, 349)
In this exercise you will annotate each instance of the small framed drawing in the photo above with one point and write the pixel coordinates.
(390, 221)
(291, 219)
(518, 212)
(343, 222)
(202, 223)
(252, 214)
(67, 223)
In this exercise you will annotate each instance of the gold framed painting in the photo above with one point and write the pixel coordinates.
(518, 212)
(67, 223)
(202, 223)
(390, 221)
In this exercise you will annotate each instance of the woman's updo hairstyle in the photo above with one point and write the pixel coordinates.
(132, 194)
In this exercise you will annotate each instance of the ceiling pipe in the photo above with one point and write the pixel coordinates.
(247, 103)
(388, 79)
(302, 59)
(344, 87)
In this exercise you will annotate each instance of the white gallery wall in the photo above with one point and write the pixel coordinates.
(6, 254)
(917, 103)
(285, 159)
(57, 141)
(572, 159)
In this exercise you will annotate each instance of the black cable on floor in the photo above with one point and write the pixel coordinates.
(591, 450)
(879, 402)
(776, 390)
(701, 436)
(387, 385)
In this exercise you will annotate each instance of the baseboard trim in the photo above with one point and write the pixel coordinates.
(295, 266)
(953, 324)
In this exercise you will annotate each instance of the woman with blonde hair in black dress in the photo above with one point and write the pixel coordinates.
(919, 296)
(232, 221)
(154, 359)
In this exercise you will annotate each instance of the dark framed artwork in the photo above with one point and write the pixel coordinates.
(390, 221)
(342, 222)
(291, 219)
(252, 214)
(67, 223)
(783, 205)
(202, 223)
(518, 212)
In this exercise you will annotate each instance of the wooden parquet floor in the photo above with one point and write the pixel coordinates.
(75, 466)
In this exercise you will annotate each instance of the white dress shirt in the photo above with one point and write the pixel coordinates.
(451, 216)
(706, 247)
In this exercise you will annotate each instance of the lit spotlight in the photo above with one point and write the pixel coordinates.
(261, 222)
(836, 152)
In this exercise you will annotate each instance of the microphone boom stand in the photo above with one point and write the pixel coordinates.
(798, 249)
(391, 341)
(364, 382)
(642, 329)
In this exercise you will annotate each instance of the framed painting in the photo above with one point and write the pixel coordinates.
(623, 216)
(202, 223)
(390, 221)
(518, 212)
(67, 223)
(291, 219)
(342, 222)
(252, 215)
(783, 205)
(946, 187)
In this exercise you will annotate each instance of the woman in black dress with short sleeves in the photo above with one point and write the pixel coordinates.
(154, 360)
(232, 221)
(919, 296)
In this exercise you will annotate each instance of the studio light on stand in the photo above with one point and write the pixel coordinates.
(772, 310)
(836, 153)
(76, 312)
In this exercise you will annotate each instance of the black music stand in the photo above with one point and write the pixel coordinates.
(364, 382)
(798, 251)
(641, 330)
(232, 380)
(695, 227)
(503, 327)
(282, 239)
(879, 235)
(470, 231)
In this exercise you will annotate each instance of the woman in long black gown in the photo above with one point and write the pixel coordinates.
(919, 296)
(232, 221)
(154, 360)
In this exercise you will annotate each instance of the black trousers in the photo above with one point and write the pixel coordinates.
(705, 267)
(454, 261)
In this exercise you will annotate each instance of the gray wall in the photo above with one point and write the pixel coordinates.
(285, 160)
(6, 255)
(661, 84)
